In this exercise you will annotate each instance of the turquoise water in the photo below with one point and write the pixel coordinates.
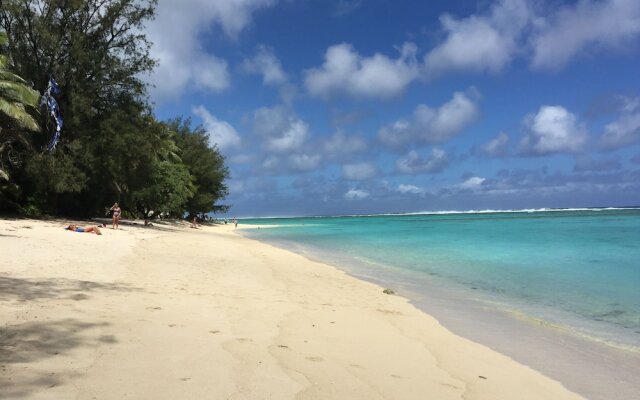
(580, 269)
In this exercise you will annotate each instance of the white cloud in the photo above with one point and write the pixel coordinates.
(583, 25)
(345, 7)
(282, 131)
(410, 189)
(183, 61)
(413, 163)
(291, 139)
(341, 145)
(433, 125)
(553, 130)
(480, 42)
(378, 76)
(356, 194)
(266, 64)
(626, 129)
(359, 171)
(473, 183)
(496, 147)
(270, 163)
(221, 133)
(304, 162)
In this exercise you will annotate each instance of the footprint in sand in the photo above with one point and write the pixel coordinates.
(390, 312)
(315, 359)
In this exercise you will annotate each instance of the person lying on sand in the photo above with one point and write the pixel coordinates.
(89, 229)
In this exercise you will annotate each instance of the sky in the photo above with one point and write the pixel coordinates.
(337, 107)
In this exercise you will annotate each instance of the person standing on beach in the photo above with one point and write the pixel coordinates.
(235, 222)
(115, 218)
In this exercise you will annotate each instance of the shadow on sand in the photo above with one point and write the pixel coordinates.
(22, 289)
(34, 341)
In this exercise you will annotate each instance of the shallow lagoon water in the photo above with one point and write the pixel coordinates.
(581, 265)
(534, 285)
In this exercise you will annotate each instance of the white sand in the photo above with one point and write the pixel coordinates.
(180, 313)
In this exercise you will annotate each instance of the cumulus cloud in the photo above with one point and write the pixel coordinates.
(473, 183)
(290, 139)
(265, 63)
(410, 189)
(584, 25)
(625, 130)
(221, 133)
(270, 163)
(480, 42)
(345, 71)
(282, 131)
(413, 163)
(359, 171)
(340, 145)
(304, 162)
(553, 130)
(183, 61)
(433, 125)
(496, 147)
(356, 194)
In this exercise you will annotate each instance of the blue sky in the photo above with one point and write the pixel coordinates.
(325, 107)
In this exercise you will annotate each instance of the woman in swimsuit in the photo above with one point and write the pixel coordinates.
(115, 219)
(80, 229)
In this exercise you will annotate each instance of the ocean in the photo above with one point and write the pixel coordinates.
(577, 271)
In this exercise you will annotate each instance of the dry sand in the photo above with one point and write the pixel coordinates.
(179, 313)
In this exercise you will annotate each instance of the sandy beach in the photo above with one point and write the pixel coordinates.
(178, 313)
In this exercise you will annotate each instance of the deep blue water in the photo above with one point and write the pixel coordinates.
(578, 268)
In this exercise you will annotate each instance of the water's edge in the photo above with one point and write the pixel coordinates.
(594, 370)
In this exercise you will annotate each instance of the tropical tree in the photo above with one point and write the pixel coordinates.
(98, 53)
(205, 164)
(18, 104)
(112, 148)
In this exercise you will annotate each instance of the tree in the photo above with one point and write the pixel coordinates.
(18, 101)
(97, 52)
(166, 193)
(205, 164)
(18, 104)
(111, 147)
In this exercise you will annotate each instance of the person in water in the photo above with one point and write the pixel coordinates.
(80, 229)
(115, 219)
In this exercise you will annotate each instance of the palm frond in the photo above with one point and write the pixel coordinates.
(19, 93)
(18, 113)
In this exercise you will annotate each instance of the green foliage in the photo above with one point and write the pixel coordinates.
(18, 104)
(111, 148)
(205, 164)
(169, 188)
(18, 101)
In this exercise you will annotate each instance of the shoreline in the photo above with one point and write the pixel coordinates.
(585, 365)
(182, 313)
